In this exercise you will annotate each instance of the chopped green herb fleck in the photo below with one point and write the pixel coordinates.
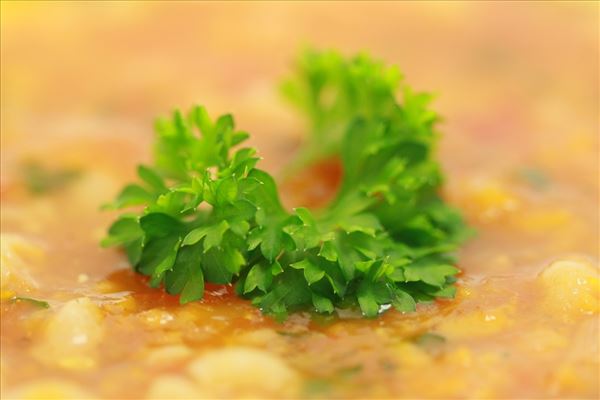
(536, 178)
(316, 388)
(41, 180)
(349, 372)
(30, 300)
(431, 342)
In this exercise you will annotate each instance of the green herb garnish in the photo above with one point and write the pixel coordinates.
(41, 180)
(535, 177)
(211, 215)
(430, 342)
(30, 300)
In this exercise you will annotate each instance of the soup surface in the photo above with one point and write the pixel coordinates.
(520, 150)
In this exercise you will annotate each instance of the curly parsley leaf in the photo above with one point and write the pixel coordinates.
(211, 216)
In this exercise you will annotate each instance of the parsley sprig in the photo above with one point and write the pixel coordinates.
(209, 215)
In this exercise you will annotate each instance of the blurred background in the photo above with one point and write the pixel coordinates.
(515, 82)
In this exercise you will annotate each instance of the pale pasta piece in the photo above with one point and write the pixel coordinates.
(244, 372)
(167, 356)
(72, 335)
(17, 254)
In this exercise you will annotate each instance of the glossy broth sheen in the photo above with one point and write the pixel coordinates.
(519, 149)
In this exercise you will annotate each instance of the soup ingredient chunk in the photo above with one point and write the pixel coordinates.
(242, 371)
(17, 254)
(72, 336)
(572, 287)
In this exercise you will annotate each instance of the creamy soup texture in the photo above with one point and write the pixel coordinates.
(517, 85)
